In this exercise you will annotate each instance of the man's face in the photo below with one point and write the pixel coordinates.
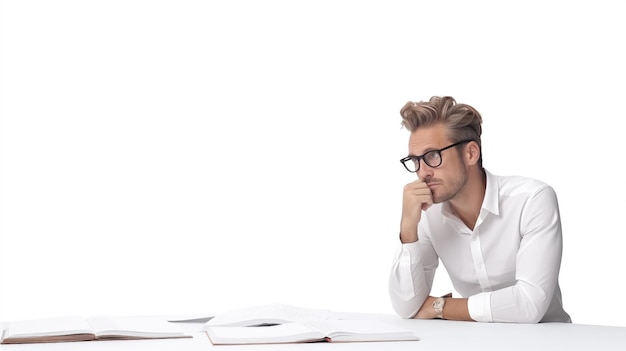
(449, 178)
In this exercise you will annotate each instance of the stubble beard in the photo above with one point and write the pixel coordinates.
(457, 184)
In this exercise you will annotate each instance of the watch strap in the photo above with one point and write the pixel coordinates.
(438, 306)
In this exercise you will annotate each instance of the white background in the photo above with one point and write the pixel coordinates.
(187, 157)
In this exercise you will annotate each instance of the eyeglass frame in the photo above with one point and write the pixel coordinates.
(421, 157)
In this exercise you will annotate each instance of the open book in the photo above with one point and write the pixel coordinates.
(280, 323)
(338, 330)
(75, 328)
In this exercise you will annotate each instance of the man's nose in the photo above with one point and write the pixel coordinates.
(425, 171)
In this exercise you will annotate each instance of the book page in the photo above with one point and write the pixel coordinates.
(66, 325)
(283, 333)
(54, 329)
(361, 330)
(268, 314)
(137, 327)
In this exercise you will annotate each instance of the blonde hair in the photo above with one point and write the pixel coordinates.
(463, 121)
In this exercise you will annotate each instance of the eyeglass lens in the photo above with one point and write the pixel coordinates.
(432, 159)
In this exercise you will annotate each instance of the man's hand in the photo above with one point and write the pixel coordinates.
(416, 197)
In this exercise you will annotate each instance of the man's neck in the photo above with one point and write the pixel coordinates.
(467, 203)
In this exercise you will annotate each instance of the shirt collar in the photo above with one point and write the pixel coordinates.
(492, 194)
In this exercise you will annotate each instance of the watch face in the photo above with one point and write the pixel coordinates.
(438, 303)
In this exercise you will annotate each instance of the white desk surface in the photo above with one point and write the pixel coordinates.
(436, 335)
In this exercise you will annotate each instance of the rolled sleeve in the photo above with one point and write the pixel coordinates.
(479, 307)
(401, 281)
(409, 284)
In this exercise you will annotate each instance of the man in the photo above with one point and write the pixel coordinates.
(499, 238)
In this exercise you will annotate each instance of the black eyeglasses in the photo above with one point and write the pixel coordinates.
(432, 158)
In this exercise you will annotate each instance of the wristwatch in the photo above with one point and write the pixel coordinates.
(438, 306)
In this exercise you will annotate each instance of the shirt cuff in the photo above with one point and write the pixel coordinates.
(412, 250)
(402, 282)
(479, 307)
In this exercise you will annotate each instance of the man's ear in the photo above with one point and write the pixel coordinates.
(472, 152)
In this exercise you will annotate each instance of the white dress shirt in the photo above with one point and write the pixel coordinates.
(508, 266)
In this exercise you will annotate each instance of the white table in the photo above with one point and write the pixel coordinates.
(434, 335)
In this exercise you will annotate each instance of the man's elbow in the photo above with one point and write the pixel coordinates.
(531, 318)
(405, 308)
(407, 304)
(533, 303)
(406, 314)
(531, 313)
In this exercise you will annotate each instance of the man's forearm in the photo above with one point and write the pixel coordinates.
(454, 309)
